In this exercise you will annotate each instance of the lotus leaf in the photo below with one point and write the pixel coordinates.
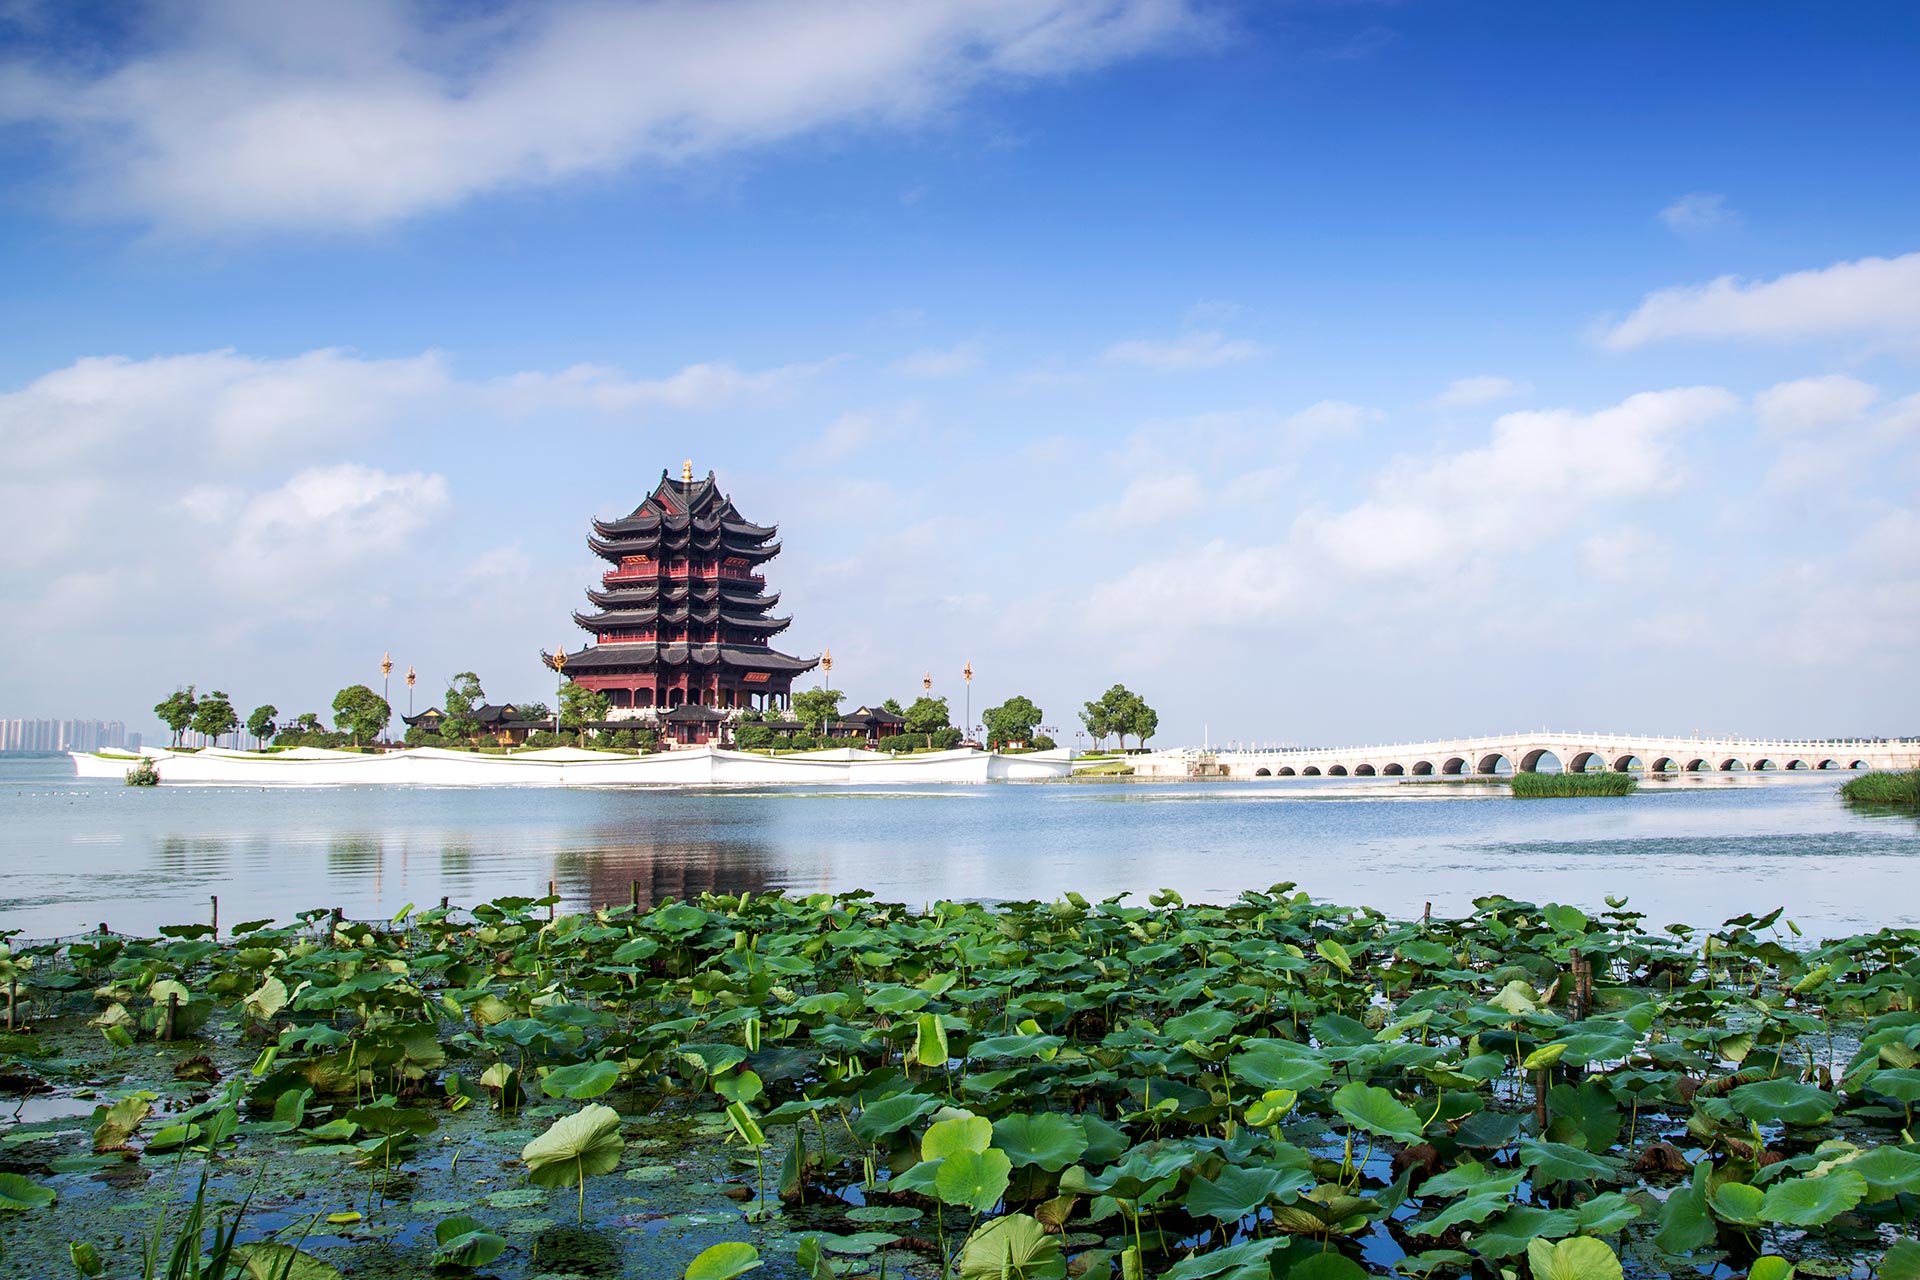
(961, 1133)
(267, 1000)
(1553, 1162)
(1738, 1203)
(576, 1147)
(581, 1080)
(1335, 954)
(1013, 1247)
(1814, 1202)
(891, 1114)
(1244, 1261)
(1048, 1140)
(20, 1193)
(1889, 1171)
(724, 1261)
(1902, 1261)
(1205, 1024)
(973, 1179)
(1377, 1111)
(1236, 1191)
(1326, 1266)
(464, 1242)
(930, 1041)
(1581, 1258)
(119, 1121)
(271, 1261)
(1280, 1064)
(1783, 1101)
(1770, 1267)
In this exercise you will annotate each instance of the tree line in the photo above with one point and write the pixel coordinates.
(359, 714)
(1121, 713)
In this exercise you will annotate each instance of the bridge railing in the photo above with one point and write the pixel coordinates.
(1548, 740)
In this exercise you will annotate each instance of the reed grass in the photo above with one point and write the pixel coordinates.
(1884, 788)
(1559, 786)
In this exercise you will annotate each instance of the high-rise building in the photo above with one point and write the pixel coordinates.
(45, 736)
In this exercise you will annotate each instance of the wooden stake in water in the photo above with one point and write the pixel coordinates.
(13, 998)
(173, 1011)
(635, 900)
(216, 915)
(549, 900)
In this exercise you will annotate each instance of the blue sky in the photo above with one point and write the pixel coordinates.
(1324, 372)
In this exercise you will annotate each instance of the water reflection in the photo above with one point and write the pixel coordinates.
(76, 854)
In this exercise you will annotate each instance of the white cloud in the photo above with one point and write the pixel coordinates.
(1814, 404)
(1698, 211)
(940, 362)
(1428, 521)
(1870, 296)
(1330, 418)
(1481, 389)
(604, 390)
(361, 113)
(1205, 349)
(1147, 501)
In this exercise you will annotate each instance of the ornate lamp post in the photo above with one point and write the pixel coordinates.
(826, 666)
(926, 684)
(966, 673)
(386, 684)
(560, 681)
(410, 679)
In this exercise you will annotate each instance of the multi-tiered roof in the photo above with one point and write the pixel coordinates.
(684, 615)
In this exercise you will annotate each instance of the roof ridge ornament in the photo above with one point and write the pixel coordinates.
(686, 471)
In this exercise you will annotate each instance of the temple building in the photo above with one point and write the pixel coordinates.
(682, 618)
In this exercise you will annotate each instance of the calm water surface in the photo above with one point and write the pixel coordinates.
(74, 854)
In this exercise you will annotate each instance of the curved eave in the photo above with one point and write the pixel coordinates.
(606, 657)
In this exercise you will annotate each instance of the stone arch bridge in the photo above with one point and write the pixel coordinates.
(1528, 752)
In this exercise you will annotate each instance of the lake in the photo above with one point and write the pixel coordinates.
(1695, 849)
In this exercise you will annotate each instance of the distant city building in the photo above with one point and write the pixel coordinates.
(21, 736)
(683, 628)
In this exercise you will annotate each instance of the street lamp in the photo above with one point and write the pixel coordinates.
(410, 679)
(966, 673)
(560, 683)
(386, 683)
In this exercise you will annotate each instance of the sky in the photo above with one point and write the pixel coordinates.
(1327, 373)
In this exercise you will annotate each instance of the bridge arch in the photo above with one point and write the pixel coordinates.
(1828, 763)
(1533, 760)
(1581, 761)
(1732, 766)
(1796, 764)
(1392, 771)
(1263, 772)
(1454, 764)
(1491, 762)
(1764, 765)
(1663, 764)
(1336, 771)
(1422, 768)
(1364, 771)
(1697, 765)
(1311, 771)
(1286, 771)
(1859, 764)
(1628, 763)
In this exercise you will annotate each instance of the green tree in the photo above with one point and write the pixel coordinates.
(893, 705)
(1122, 712)
(360, 712)
(176, 712)
(1012, 721)
(1098, 717)
(307, 722)
(1142, 721)
(532, 711)
(927, 716)
(580, 705)
(463, 695)
(813, 706)
(260, 723)
(213, 715)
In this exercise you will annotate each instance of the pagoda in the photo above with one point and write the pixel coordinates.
(683, 615)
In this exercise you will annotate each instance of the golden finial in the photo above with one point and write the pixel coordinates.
(410, 676)
(560, 656)
(967, 672)
(386, 664)
(926, 682)
(826, 660)
(686, 471)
